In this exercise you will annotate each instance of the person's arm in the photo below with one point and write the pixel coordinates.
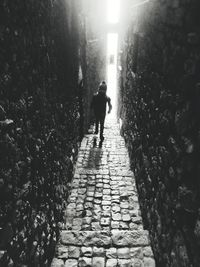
(109, 105)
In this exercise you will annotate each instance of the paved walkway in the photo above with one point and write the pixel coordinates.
(103, 224)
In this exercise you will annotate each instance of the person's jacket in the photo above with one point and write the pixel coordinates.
(99, 102)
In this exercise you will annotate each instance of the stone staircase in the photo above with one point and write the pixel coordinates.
(103, 224)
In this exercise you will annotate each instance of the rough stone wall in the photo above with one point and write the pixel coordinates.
(39, 125)
(160, 93)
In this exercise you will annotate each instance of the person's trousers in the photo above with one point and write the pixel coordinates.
(100, 119)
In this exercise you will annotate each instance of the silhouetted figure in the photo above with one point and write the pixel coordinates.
(99, 103)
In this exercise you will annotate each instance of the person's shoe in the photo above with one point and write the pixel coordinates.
(94, 142)
(100, 144)
(101, 137)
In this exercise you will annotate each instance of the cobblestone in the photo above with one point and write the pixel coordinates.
(71, 263)
(111, 263)
(103, 224)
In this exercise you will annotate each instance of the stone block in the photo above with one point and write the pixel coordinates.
(124, 226)
(96, 226)
(97, 201)
(111, 253)
(57, 263)
(69, 238)
(128, 238)
(124, 205)
(105, 213)
(71, 263)
(137, 263)
(62, 252)
(106, 202)
(147, 251)
(85, 262)
(124, 263)
(137, 252)
(123, 253)
(107, 208)
(74, 252)
(111, 263)
(115, 208)
(105, 221)
(116, 216)
(77, 221)
(115, 224)
(98, 262)
(149, 262)
(126, 218)
(86, 251)
(98, 252)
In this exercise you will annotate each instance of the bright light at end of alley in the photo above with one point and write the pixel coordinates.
(113, 11)
(113, 17)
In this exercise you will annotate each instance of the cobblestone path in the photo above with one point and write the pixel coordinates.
(103, 224)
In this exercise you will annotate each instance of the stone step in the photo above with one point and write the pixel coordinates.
(113, 238)
(88, 252)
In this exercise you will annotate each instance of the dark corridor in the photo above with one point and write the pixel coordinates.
(53, 55)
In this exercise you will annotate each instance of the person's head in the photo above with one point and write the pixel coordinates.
(102, 87)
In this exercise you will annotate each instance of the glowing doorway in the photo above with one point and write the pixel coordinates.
(113, 14)
(112, 46)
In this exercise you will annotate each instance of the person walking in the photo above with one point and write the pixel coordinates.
(99, 105)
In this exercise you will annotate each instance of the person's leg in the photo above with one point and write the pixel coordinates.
(102, 120)
(97, 125)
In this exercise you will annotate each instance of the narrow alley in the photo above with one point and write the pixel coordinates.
(103, 225)
(128, 196)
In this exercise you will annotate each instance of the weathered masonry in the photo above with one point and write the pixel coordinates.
(160, 96)
(52, 57)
